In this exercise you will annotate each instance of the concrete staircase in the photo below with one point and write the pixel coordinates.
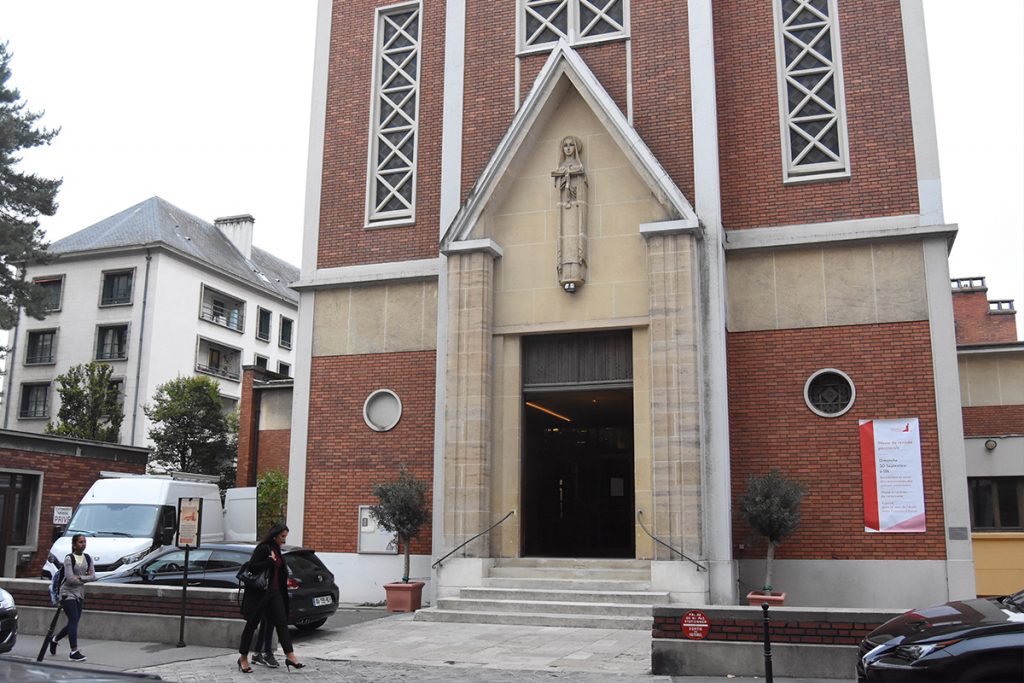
(579, 593)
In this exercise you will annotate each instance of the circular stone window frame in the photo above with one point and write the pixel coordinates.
(366, 410)
(836, 371)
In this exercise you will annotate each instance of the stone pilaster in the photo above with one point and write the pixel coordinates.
(675, 396)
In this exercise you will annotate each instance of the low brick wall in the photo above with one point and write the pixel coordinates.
(806, 642)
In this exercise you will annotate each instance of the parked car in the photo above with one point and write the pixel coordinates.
(8, 621)
(12, 669)
(313, 596)
(964, 640)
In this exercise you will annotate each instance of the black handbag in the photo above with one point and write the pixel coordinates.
(250, 578)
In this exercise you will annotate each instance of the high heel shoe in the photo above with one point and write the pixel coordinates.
(246, 670)
(289, 664)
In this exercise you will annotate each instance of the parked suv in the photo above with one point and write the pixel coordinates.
(313, 596)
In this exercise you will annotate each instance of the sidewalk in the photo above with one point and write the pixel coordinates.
(361, 645)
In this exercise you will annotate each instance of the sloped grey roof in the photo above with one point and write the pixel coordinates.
(157, 221)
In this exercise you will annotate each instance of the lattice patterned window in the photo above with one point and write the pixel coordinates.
(811, 104)
(543, 22)
(392, 174)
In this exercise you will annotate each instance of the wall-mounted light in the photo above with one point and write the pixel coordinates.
(990, 444)
(569, 287)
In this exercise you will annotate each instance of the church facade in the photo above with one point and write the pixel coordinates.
(586, 266)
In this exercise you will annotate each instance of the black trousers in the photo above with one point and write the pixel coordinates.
(275, 613)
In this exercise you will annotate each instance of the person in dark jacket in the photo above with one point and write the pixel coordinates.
(273, 602)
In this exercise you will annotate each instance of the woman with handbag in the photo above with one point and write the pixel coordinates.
(267, 560)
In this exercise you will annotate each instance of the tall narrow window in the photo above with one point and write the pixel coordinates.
(543, 22)
(263, 324)
(286, 333)
(811, 102)
(117, 288)
(392, 173)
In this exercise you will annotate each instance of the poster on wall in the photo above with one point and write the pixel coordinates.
(890, 459)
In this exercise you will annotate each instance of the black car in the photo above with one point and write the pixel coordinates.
(963, 640)
(313, 596)
(8, 621)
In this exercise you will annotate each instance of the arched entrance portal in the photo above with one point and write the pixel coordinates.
(577, 419)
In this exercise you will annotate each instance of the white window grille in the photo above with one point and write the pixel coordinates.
(543, 22)
(811, 101)
(392, 174)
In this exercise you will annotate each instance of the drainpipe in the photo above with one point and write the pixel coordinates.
(142, 330)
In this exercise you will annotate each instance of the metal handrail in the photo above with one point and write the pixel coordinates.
(457, 549)
(639, 514)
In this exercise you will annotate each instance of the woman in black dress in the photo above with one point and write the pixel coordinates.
(273, 602)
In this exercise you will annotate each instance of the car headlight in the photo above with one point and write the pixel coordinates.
(6, 600)
(128, 559)
(912, 653)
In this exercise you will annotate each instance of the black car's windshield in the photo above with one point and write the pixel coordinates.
(109, 519)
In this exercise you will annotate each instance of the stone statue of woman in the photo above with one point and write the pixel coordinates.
(571, 248)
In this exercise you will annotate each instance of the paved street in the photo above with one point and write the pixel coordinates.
(371, 645)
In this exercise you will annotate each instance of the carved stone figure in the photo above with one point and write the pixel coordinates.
(571, 249)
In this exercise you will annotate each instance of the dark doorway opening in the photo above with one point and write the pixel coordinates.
(578, 472)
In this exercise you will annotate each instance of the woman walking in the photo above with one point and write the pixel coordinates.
(273, 602)
(78, 571)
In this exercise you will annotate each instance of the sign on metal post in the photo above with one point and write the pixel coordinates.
(190, 529)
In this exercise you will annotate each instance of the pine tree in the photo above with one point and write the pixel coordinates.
(23, 197)
(191, 433)
(90, 405)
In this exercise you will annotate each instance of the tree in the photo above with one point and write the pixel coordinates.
(771, 506)
(23, 197)
(90, 404)
(402, 509)
(271, 499)
(191, 433)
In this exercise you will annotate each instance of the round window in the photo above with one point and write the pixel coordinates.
(829, 393)
(382, 410)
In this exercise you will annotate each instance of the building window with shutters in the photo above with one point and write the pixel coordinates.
(542, 23)
(812, 108)
(391, 180)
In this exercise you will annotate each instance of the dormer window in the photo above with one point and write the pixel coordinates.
(543, 22)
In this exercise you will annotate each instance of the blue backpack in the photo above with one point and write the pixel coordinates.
(58, 580)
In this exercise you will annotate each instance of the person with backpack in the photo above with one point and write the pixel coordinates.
(78, 571)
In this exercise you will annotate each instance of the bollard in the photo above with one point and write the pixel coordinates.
(767, 645)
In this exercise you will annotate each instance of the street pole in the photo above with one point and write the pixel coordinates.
(767, 645)
(184, 589)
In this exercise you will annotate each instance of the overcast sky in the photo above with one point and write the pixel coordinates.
(206, 104)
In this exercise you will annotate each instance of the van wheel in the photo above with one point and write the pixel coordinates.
(312, 625)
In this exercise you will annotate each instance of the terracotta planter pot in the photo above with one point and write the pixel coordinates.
(755, 598)
(404, 597)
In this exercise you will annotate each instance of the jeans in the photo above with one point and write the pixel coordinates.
(73, 608)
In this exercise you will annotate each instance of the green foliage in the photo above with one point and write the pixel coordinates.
(402, 509)
(271, 499)
(191, 433)
(90, 404)
(771, 506)
(23, 197)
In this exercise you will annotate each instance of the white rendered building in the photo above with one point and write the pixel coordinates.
(157, 293)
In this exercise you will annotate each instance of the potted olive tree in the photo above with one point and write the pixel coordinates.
(771, 506)
(402, 510)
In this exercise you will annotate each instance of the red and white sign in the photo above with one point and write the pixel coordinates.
(890, 459)
(695, 625)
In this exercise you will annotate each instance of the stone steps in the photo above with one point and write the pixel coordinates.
(536, 619)
(636, 597)
(545, 607)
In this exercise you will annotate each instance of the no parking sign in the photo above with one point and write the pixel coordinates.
(695, 625)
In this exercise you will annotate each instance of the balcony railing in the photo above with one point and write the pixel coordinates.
(39, 359)
(219, 371)
(231, 318)
(112, 354)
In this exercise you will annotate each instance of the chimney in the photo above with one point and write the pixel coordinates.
(238, 229)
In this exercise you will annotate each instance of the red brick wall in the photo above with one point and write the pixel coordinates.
(65, 480)
(883, 178)
(273, 450)
(343, 239)
(246, 431)
(975, 324)
(993, 420)
(345, 457)
(606, 60)
(805, 631)
(770, 426)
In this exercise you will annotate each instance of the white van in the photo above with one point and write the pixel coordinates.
(124, 517)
